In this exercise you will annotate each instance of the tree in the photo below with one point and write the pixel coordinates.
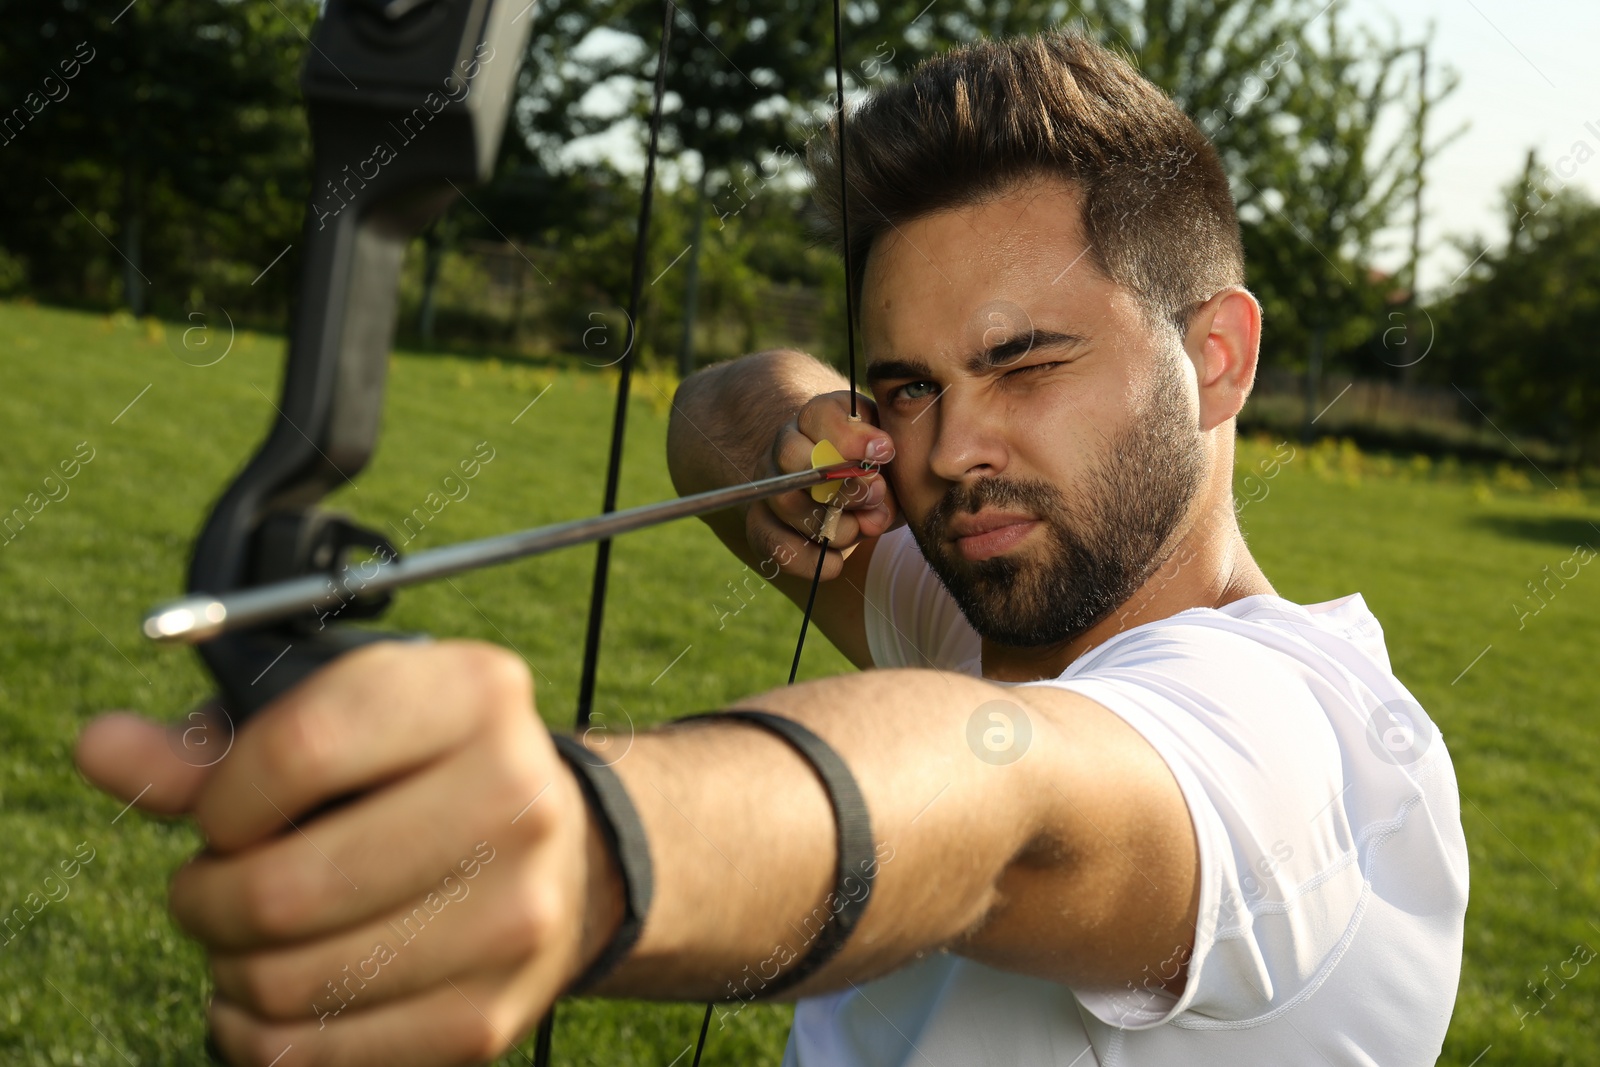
(1291, 102)
(1325, 194)
(738, 73)
(1518, 332)
(178, 135)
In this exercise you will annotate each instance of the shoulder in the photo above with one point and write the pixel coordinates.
(1293, 703)
(1263, 663)
(1315, 782)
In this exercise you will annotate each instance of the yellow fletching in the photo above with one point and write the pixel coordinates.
(825, 455)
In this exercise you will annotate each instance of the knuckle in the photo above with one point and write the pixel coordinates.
(767, 527)
(520, 782)
(793, 452)
(185, 897)
(298, 744)
(275, 898)
(825, 413)
(535, 921)
(250, 983)
(504, 682)
(776, 537)
(758, 529)
(862, 492)
(792, 515)
(257, 983)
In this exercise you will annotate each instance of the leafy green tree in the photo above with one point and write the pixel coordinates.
(178, 136)
(1518, 333)
(738, 73)
(1292, 102)
(1325, 194)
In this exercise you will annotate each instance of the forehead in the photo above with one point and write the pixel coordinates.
(934, 285)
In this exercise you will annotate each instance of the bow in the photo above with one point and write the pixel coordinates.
(435, 80)
(407, 100)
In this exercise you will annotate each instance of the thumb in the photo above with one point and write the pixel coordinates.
(163, 767)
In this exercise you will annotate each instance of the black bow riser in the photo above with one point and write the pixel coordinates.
(407, 100)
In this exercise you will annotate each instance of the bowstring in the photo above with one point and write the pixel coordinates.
(850, 342)
(844, 208)
(597, 597)
(619, 426)
(619, 420)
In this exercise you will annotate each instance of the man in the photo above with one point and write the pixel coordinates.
(1121, 803)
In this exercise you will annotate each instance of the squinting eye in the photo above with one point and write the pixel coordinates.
(917, 390)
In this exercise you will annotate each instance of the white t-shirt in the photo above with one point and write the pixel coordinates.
(1333, 866)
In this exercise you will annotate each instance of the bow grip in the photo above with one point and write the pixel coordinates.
(406, 100)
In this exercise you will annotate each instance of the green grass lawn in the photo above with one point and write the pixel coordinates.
(100, 976)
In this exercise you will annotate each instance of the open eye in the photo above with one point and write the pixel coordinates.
(917, 391)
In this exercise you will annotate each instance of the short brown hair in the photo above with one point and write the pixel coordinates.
(1158, 214)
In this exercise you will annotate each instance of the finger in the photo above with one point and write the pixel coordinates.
(349, 866)
(825, 420)
(869, 493)
(488, 922)
(878, 511)
(862, 493)
(827, 417)
(368, 717)
(464, 1021)
(140, 761)
(791, 450)
(799, 512)
(811, 521)
(793, 553)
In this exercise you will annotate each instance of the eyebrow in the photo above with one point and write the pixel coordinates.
(999, 356)
(891, 369)
(1008, 352)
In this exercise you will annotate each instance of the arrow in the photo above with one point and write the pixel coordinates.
(193, 619)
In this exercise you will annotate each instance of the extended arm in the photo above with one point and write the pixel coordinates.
(461, 885)
(1075, 863)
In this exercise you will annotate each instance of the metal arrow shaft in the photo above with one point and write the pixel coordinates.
(200, 617)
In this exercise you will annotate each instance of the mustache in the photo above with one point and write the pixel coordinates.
(1038, 498)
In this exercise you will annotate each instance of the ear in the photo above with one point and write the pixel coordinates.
(1223, 342)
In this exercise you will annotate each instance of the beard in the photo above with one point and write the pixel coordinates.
(1102, 541)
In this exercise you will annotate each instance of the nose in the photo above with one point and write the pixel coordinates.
(968, 436)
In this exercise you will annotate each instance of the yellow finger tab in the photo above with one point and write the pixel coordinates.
(825, 455)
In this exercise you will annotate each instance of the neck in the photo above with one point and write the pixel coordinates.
(1209, 565)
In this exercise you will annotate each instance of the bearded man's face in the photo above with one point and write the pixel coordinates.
(1046, 429)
